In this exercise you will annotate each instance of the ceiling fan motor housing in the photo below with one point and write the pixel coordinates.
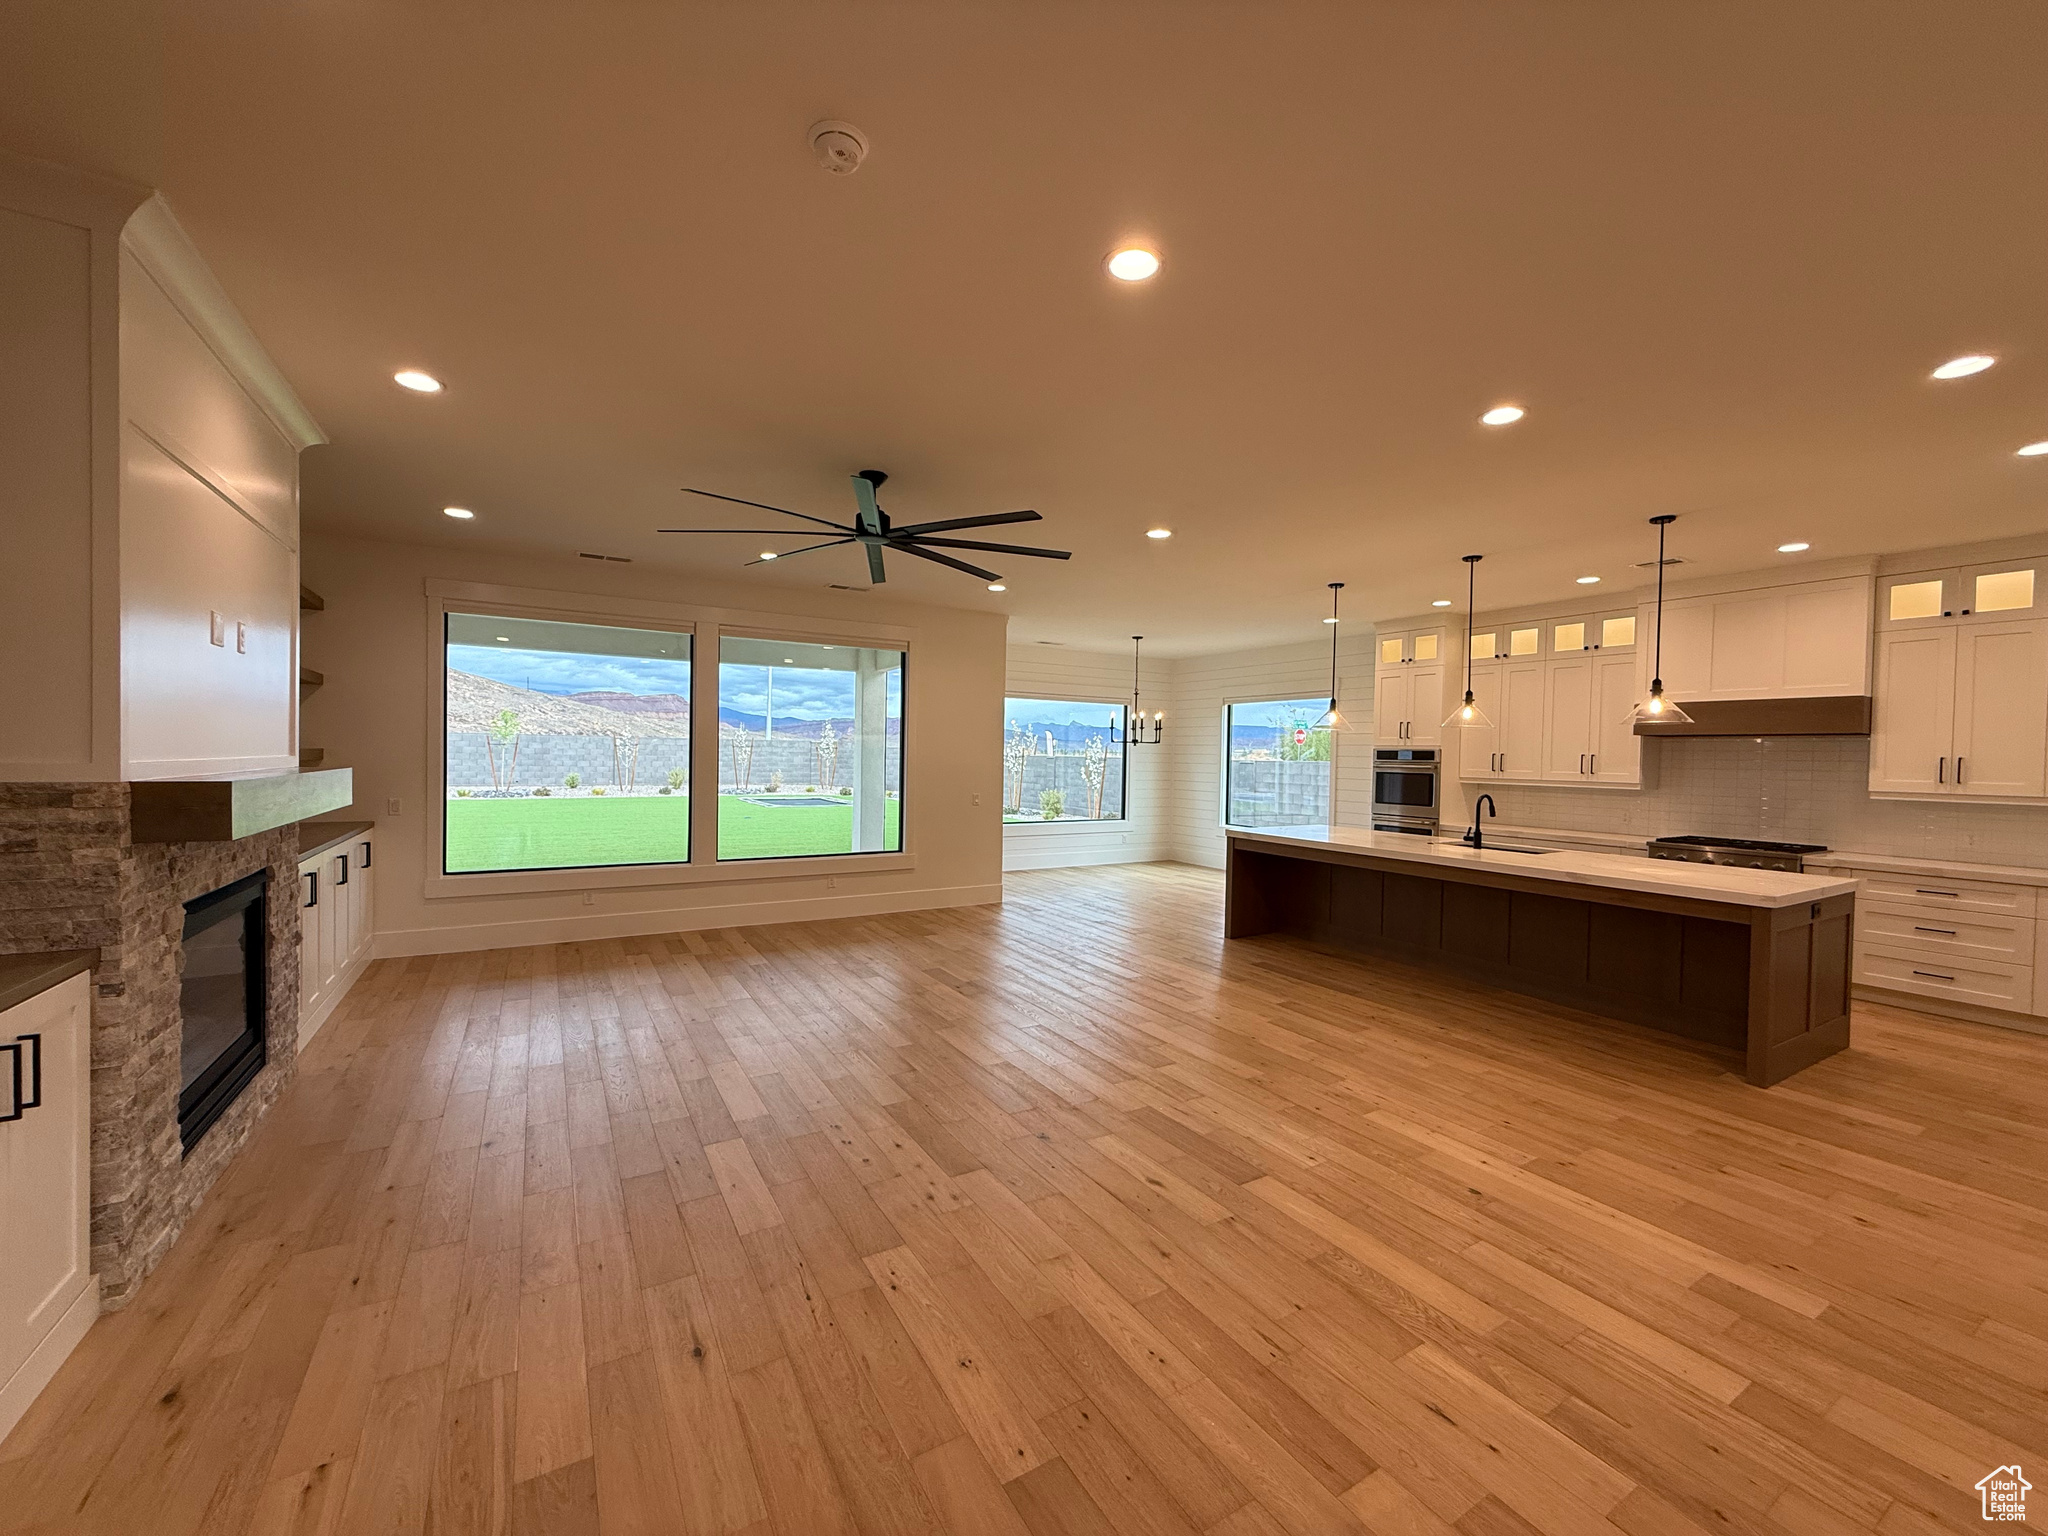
(840, 147)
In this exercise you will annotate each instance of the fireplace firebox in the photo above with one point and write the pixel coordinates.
(222, 999)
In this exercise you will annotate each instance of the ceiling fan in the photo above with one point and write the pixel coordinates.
(872, 530)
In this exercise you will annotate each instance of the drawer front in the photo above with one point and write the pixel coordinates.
(1964, 981)
(1965, 935)
(1929, 893)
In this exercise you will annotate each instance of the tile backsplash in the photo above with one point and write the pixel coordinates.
(1795, 789)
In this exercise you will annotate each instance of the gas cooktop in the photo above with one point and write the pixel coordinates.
(1742, 852)
(1742, 842)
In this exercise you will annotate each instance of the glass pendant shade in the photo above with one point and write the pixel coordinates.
(1654, 709)
(1333, 718)
(1468, 715)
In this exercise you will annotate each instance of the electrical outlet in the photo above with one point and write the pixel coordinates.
(590, 898)
(977, 799)
(831, 882)
(216, 629)
(241, 637)
(391, 806)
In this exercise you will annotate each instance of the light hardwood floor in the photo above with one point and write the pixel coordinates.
(1065, 1218)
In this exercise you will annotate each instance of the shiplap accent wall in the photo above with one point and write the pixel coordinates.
(1056, 672)
(1202, 685)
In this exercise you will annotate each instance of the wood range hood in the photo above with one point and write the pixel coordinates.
(222, 807)
(1826, 715)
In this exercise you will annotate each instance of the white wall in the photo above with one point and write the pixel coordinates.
(1202, 685)
(372, 714)
(1054, 672)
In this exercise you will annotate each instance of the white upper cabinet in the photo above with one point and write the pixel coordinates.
(1992, 593)
(1590, 633)
(1408, 697)
(1617, 752)
(1567, 718)
(2001, 720)
(1810, 639)
(1961, 710)
(1913, 721)
(1409, 647)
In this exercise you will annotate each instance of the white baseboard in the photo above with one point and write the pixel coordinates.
(1914, 1002)
(1049, 855)
(309, 1023)
(462, 937)
(34, 1373)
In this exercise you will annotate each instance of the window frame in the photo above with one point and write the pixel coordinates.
(866, 858)
(1069, 828)
(704, 624)
(1223, 763)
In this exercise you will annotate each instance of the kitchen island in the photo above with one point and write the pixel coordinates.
(1753, 960)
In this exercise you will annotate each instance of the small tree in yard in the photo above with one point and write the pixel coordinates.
(675, 781)
(1019, 745)
(827, 751)
(1052, 804)
(1095, 773)
(740, 743)
(503, 735)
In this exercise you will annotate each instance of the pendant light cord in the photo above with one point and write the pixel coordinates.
(1657, 666)
(1335, 588)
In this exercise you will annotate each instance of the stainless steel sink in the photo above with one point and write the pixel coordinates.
(1459, 842)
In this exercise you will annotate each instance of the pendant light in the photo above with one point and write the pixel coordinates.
(1468, 714)
(1654, 708)
(1141, 734)
(1332, 719)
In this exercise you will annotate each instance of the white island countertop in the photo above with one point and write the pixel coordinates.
(1655, 877)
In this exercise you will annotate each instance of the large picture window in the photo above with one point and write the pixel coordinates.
(568, 745)
(1063, 760)
(810, 749)
(1276, 763)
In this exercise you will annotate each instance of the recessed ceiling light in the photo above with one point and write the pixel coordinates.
(506, 638)
(414, 380)
(768, 554)
(462, 513)
(1329, 621)
(1133, 264)
(1794, 548)
(789, 661)
(1963, 367)
(2033, 450)
(997, 586)
(1440, 602)
(1158, 533)
(1587, 581)
(1501, 415)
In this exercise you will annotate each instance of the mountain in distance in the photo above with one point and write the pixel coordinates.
(634, 703)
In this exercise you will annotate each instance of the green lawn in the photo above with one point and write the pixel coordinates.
(566, 833)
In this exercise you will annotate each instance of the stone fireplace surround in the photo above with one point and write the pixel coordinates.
(72, 878)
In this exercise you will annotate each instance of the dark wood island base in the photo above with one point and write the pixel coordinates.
(1769, 981)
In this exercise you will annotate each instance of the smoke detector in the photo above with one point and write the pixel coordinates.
(840, 147)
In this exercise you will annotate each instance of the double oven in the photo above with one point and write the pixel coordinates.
(1406, 789)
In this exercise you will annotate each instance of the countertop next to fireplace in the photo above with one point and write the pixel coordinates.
(23, 976)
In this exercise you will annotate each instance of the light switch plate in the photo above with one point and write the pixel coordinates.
(391, 806)
(217, 631)
(241, 637)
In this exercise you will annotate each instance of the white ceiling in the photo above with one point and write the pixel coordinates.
(1714, 249)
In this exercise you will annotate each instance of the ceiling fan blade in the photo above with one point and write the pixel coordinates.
(691, 490)
(1000, 549)
(787, 553)
(972, 522)
(870, 518)
(875, 571)
(777, 532)
(925, 554)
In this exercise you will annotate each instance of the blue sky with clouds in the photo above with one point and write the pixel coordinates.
(801, 693)
(571, 671)
(1029, 712)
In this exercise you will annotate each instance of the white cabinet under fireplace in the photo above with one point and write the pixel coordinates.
(336, 917)
(48, 1296)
